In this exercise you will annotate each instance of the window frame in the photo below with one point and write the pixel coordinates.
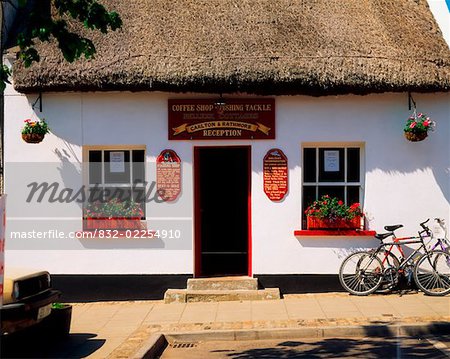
(103, 148)
(335, 145)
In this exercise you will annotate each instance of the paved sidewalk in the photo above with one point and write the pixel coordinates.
(118, 329)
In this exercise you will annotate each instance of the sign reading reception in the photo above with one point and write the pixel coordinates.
(210, 119)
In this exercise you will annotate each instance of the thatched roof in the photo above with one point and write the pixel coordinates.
(272, 47)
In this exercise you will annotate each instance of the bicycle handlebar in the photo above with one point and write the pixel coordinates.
(424, 226)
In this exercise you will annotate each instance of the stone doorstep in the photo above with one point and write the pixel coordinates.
(223, 283)
(188, 296)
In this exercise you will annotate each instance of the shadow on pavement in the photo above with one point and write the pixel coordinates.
(30, 344)
(343, 347)
(378, 341)
(319, 349)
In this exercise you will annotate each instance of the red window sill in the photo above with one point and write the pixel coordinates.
(334, 232)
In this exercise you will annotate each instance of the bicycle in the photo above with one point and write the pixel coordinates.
(362, 273)
(391, 261)
(443, 242)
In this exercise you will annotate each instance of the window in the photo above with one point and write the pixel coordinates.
(331, 169)
(116, 173)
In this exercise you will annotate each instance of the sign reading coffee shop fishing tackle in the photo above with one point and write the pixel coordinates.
(210, 119)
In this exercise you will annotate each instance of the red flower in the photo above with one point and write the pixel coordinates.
(340, 203)
(426, 123)
(412, 125)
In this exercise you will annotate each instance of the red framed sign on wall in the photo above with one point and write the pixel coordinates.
(275, 171)
(168, 175)
(210, 119)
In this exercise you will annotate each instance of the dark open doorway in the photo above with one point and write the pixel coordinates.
(222, 211)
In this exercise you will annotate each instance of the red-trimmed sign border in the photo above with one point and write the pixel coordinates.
(168, 175)
(275, 173)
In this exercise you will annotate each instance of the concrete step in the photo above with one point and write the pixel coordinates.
(223, 283)
(187, 296)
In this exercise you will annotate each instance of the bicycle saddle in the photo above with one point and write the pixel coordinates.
(393, 228)
(382, 236)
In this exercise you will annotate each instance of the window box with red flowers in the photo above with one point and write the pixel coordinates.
(113, 214)
(332, 213)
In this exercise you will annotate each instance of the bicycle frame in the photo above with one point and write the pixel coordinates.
(398, 242)
(398, 245)
(404, 261)
(440, 243)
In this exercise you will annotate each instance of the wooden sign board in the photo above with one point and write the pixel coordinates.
(168, 175)
(275, 172)
(207, 119)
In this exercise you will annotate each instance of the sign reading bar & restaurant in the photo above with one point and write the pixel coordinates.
(275, 171)
(210, 119)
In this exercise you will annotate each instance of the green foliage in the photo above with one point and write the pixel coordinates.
(42, 26)
(58, 305)
(4, 75)
(332, 208)
(418, 123)
(40, 127)
(113, 208)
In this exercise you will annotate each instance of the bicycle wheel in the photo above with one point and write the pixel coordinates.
(390, 271)
(361, 273)
(432, 273)
(447, 250)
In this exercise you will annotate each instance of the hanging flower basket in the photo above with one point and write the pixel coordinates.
(417, 127)
(33, 137)
(416, 136)
(34, 131)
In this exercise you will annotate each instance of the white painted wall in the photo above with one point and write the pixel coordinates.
(404, 182)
